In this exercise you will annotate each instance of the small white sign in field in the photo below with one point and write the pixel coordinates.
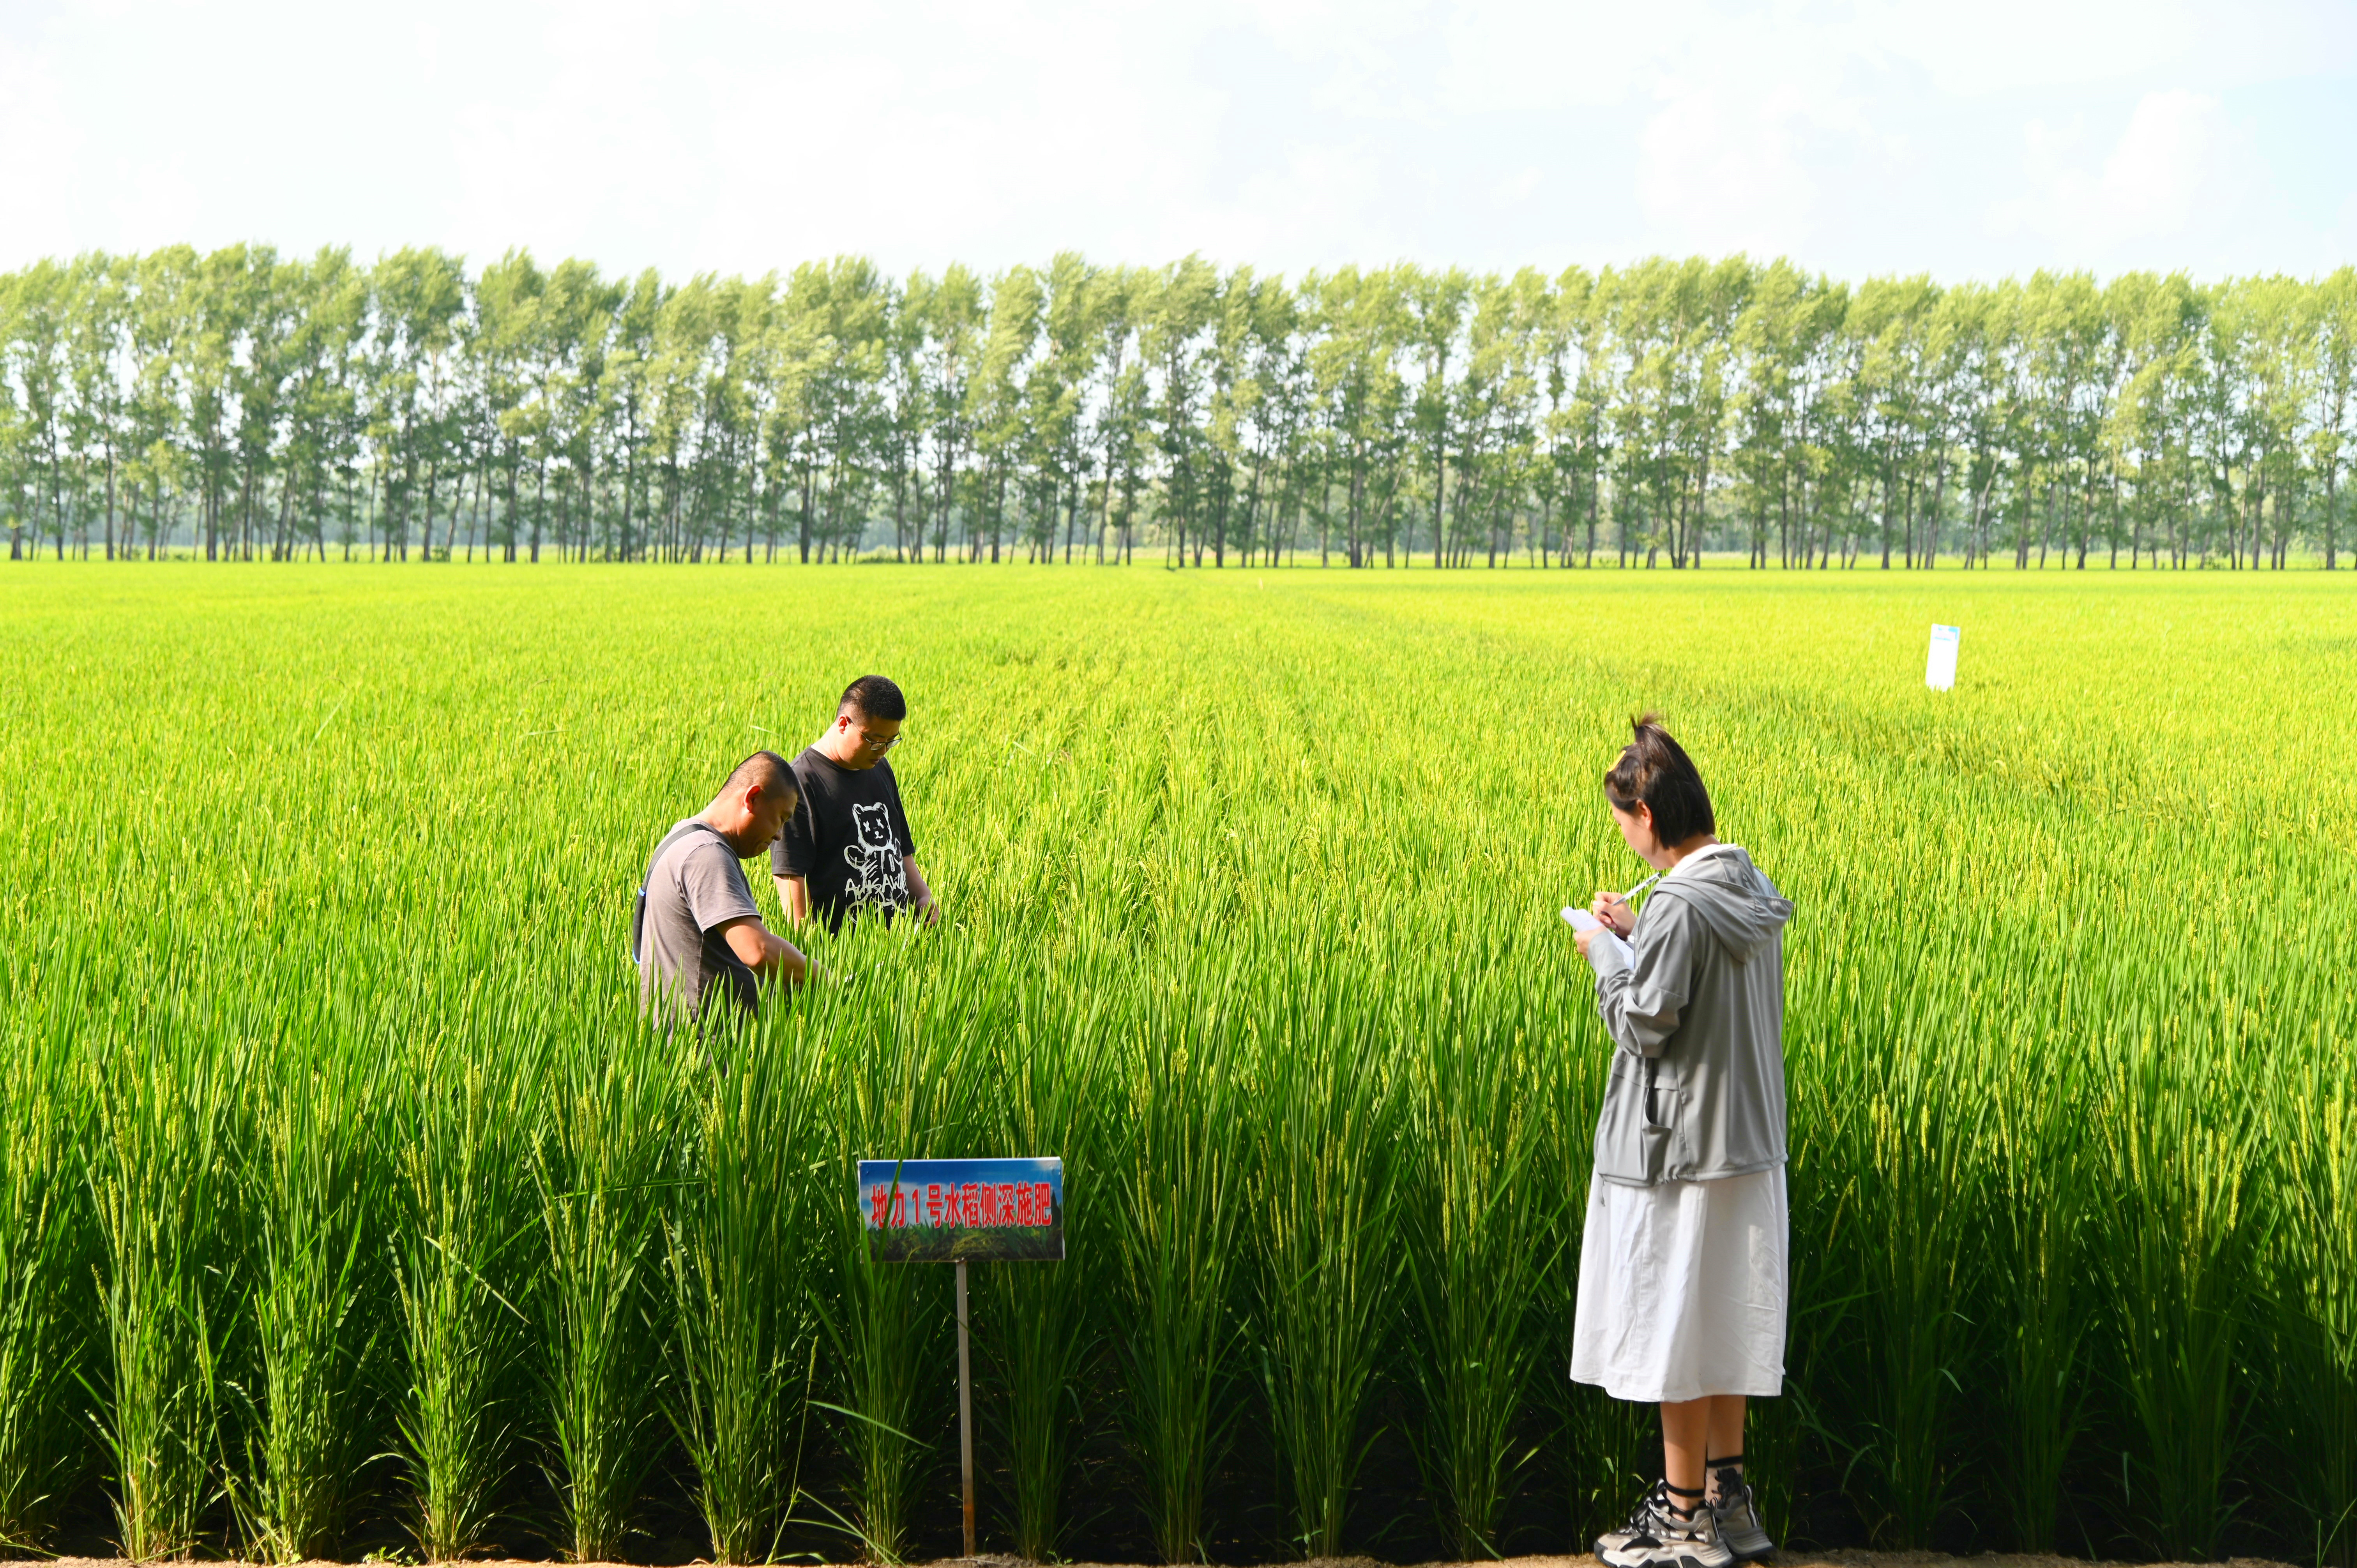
(1940, 670)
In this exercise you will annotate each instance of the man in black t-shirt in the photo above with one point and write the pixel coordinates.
(847, 846)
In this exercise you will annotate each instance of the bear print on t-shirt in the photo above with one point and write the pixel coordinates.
(874, 856)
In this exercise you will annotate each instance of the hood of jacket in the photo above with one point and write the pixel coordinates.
(1734, 898)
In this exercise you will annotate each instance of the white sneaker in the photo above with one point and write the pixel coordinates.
(1737, 1513)
(1659, 1536)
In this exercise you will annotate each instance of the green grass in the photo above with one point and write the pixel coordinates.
(348, 1207)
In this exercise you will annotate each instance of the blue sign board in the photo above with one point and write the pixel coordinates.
(948, 1211)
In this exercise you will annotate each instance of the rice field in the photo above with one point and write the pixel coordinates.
(346, 1207)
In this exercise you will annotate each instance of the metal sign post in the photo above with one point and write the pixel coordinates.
(966, 1413)
(960, 1211)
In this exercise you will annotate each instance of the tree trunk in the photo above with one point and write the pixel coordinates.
(2331, 507)
(1439, 489)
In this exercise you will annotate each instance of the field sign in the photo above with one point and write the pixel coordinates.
(1940, 670)
(963, 1212)
(950, 1211)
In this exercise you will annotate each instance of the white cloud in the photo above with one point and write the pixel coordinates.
(1517, 187)
(1719, 173)
(1999, 46)
(2176, 144)
(1579, 53)
(2178, 169)
(41, 153)
(1735, 155)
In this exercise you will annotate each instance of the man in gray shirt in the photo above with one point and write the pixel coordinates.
(699, 935)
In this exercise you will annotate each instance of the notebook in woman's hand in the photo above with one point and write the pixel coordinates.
(1607, 951)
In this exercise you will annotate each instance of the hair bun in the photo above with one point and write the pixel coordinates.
(1654, 771)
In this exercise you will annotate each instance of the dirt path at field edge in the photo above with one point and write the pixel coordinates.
(1843, 1559)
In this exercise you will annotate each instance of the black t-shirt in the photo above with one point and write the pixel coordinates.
(847, 838)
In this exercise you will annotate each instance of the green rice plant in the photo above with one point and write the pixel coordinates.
(2313, 1292)
(44, 1113)
(467, 1219)
(1483, 1230)
(163, 1186)
(1042, 1324)
(1806, 1438)
(2038, 1169)
(741, 1246)
(605, 1174)
(1610, 1453)
(313, 1206)
(1913, 1253)
(1603, 1452)
(910, 1087)
(1788, 1438)
(1178, 1193)
(885, 1335)
(1326, 1194)
(2180, 1255)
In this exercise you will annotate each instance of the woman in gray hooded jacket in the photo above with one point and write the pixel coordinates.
(1681, 1276)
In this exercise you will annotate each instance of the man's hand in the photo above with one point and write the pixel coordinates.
(920, 892)
(764, 953)
(1582, 939)
(793, 897)
(1613, 911)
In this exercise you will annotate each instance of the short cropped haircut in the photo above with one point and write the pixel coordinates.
(767, 769)
(1654, 770)
(873, 697)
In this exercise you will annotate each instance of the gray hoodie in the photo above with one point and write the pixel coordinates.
(1697, 1084)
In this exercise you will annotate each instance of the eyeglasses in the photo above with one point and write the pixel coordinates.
(878, 747)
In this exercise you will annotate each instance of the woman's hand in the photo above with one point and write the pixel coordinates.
(1582, 939)
(1613, 911)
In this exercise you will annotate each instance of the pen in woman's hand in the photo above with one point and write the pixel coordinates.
(1612, 908)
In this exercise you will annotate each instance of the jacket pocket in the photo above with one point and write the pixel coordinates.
(1631, 1144)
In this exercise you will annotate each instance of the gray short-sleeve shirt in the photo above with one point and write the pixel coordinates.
(695, 885)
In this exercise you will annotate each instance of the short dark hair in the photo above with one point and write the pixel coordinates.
(765, 768)
(873, 697)
(1656, 770)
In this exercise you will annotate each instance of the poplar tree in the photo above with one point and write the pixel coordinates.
(240, 403)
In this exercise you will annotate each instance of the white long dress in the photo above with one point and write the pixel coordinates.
(1682, 1289)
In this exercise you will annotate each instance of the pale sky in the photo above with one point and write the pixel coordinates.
(1968, 140)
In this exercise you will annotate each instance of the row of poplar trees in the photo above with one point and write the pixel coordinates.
(243, 404)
